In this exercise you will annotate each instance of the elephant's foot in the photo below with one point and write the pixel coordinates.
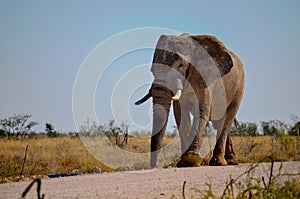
(231, 159)
(229, 153)
(217, 161)
(190, 159)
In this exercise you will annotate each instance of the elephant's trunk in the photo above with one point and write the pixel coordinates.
(145, 98)
(161, 108)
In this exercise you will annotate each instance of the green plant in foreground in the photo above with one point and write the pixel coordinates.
(257, 188)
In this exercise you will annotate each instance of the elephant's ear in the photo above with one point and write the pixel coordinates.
(217, 50)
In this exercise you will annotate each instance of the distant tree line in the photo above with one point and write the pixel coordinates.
(271, 127)
(20, 125)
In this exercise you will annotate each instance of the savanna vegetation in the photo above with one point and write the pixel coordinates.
(273, 184)
(28, 156)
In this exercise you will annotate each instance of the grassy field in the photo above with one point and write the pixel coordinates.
(266, 148)
(68, 155)
(45, 156)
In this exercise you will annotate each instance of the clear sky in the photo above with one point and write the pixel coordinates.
(44, 43)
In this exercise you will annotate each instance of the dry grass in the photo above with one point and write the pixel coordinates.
(45, 156)
(135, 155)
(68, 155)
(265, 148)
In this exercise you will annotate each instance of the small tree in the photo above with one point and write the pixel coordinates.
(50, 131)
(295, 130)
(274, 127)
(245, 129)
(17, 125)
(112, 130)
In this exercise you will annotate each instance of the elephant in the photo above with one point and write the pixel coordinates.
(205, 81)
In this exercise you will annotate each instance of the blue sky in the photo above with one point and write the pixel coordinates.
(44, 43)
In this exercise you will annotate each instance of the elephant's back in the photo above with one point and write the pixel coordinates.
(228, 89)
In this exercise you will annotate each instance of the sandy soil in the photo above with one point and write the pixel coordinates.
(155, 183)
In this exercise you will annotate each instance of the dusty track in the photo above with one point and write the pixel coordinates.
(156, 183)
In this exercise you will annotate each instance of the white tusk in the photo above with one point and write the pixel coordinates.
(177, 95)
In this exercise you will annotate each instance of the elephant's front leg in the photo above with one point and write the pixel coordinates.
(183, 122)
(192, 156)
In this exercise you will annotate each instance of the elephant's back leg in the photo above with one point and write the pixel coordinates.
(223, 152)
(232, 110)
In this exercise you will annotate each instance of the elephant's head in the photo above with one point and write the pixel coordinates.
(180, 61)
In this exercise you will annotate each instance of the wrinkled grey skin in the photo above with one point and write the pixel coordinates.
(211, 80)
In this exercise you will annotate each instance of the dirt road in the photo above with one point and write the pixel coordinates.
(156, 183)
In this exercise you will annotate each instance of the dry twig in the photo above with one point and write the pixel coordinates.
(183, 190)
(24, 160)
(39, 184)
